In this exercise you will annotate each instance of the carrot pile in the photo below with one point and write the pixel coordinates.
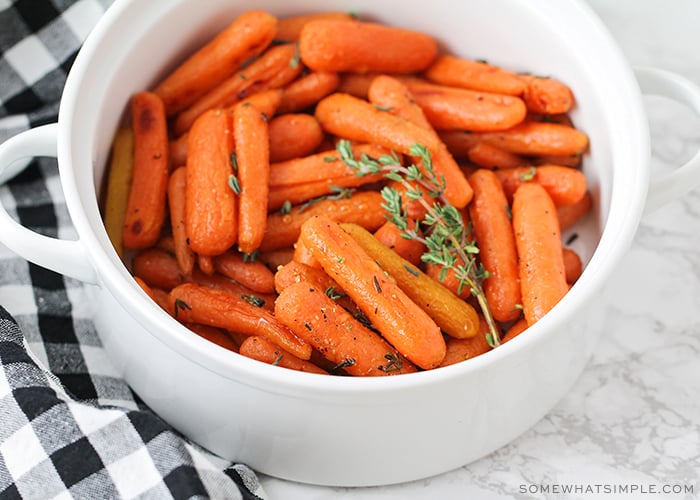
(231, 203)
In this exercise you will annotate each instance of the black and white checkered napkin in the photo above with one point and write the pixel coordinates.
(70, 427)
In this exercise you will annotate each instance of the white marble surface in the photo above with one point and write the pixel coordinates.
(633, 417)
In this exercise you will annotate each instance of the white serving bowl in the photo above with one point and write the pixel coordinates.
(342, 430)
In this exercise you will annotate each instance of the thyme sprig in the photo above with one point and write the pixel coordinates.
(445, 235)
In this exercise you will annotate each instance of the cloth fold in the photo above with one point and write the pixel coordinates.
(70, 426)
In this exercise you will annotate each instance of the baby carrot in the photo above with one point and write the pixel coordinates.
(308, 90)
(177, 151)
(145, 211)
(289, 28)
(157, 268)
(251, 274)
(362, 47)
(336, 334)
(356, 84)
(497, 252)
(205, 264)
(489, 156)
(215, 335)
(245, 37)
(211, 212)
(273, 259)
(176, 200)
(459, 142)
(384, 303)
(363, 208)
(475, 75)
(459, 350)
(546, 95)
(257, 347)
(454, 316)
(118, 184)
(573, 266)
(191, 303)
(253, 158)
(515, 329)
(221, 282)
(538, 240)
(565, 185)
(391, 236)
(265, 101)
(569, 215)
(533, 138)
(293, 135)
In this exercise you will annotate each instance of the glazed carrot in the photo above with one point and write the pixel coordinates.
(497, 252)
(569, 215)
(537, 138)
(220, 282)
(565, 185)
(311, 192)
(454, 316)
(391, 236)
(253, 158)
(573, 267)
(538, 239)
(145, 212)
(176, 201)
(302, 254)
(459, 350)
(275, 68)
(449, 108)
(474, 75)
(251, 274)
(308, 90)
(160, 297)
(266, 101)
(414, 208)
(356, 84)
(289, 28)
(192, 303)
(211, 212)
(145, 287)
(205, 264)
(216, 335)
(391, 94)
(118, 185)
(274, 259)
(563, 160)
(363, 208)
(546, 95)
(459, 142)
(261, 349)
(447, 279)
(515, 329)
(384, 303)
(177, 151)
(362, 47)
(293, 135)
(157, 268)
(336, 334)
(245, 37)
(489, 156)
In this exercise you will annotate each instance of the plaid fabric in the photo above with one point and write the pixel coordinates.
(70, 426)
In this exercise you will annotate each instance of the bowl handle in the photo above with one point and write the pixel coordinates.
(666, 188)
(67, 257)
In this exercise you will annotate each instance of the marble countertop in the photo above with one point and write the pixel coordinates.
(632, 420)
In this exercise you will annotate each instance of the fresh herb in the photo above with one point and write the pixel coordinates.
(333, 294)
(330, 159)
(446, 236)
(250, 257)
(253, 300)
(411, 270)
(296, 58)
(234, 162)
(375, 282)
(529, 175)
(234, 184)
(571, 239)
(286, 207)
(341, 260)
(337, 193)
(383, 108)
(277, 360)
(347, 362)
(181, 304)
(394, 363)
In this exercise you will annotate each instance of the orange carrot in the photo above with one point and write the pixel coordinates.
(257, 347)
(145, 287)
(302, 254)
(515, 329)
(245, 37)
(275, 68)
(494, 235)
(363, 208)
(157, 268)
(308, 90)
(145, 211)
(205, 264)
(546, 95)
(311, 192)
(362, 47)
(336, 334)
(253, 158)
(386, 306)
(289, 28)
(489, 156)
(216, 335)
(449, 108)
(564, 160)
(447, 279)
(177, 151)
(459, 350)
(475, 75)
(538, 239)
(251, 274)
(569, 215)
(190, 303)
(572, 265)
(391, 236)
(414, 208)
(565, 185)
(356, 84)
(265, 101)
(533, 138)
(293, 135)
(459, 142)
(160, 297)
(176, 200)
(273, 259)
(220, 282)
(211, 215)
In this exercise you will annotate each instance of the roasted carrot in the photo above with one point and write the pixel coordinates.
(336, 334)
(546, 95)
(215, 335)
(497, 252)
(253, 158)
(384, 303)
(146, 207)
(454, 316)
(157, 268)
(565, 185)
(289, 28)
(459, 142)
(310, 193)
(356, 84)
(266, 101)
(362, 47)
(391, 236)
(363, 208)
(118, 185)
(307, 90)
(221, 282)
(145, 287)
(245, 37)
(474, 75)
(177, 151)
(177, 187)
(205, 264)
(251, 274)
(538, 239)
(569, 215)
(273, 259)
(211, 212)
(533, 138)
(459, 350)
(447, 279)
(515, 329)
(413, 208)
(191, 303)
(489, 156)
(563, 160)
(573, 267)
(275, 68)
(293, 135)
(160, 297)
(261, 349)
(302, 255)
